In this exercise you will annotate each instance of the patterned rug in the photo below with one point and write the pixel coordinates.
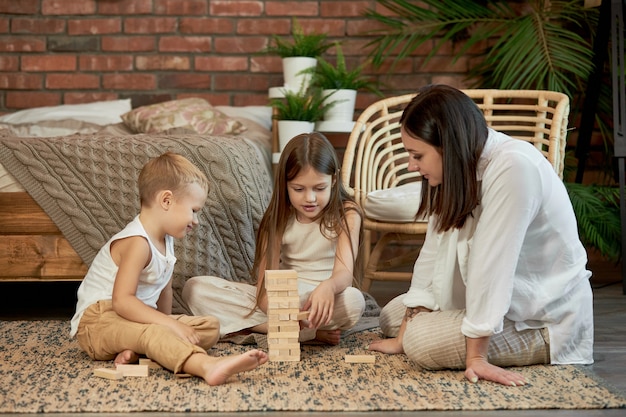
(42, 372)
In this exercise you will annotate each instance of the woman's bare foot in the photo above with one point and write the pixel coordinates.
(216, 371)
(329, 337)
(126, 356)
(391, 346)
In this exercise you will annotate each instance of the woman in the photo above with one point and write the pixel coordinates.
(501, 279)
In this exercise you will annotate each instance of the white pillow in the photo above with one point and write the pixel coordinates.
(100, 112)
(397, 205)
(259, 114)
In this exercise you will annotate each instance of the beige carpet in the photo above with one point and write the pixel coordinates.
(42, 371)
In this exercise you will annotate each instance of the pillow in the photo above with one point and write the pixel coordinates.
(100, 113)
(192, 113)
(398, 204)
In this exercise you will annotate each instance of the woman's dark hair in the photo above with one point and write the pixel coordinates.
(446, 118)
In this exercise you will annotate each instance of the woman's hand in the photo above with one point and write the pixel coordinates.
(478, 367)
(481, 369)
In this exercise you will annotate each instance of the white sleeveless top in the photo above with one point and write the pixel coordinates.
(306, 250)
(98, 283)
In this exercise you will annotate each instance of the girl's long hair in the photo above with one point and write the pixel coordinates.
(305, 150)
(449, 120)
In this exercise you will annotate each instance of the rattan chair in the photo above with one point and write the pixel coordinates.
(375, 159)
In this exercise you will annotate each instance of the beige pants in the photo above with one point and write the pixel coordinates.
(434, 340)
(103, 334)
(233, 303)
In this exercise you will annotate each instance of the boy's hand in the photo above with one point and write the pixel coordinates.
(184, 332)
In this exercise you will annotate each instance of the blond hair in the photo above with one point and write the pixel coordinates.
(170, 171)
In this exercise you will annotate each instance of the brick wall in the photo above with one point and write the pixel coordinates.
(59, 51)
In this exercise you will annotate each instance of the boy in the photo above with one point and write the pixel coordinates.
(125, 301)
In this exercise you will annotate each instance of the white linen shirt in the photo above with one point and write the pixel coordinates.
(519, 256)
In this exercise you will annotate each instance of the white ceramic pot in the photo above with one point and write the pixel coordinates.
(287, 129)
(343, 109)
(293, 77)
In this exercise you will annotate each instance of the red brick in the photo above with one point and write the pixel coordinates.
(400, 83)
(246, 82)
(124, 7)
(240, 44)
(185, 81)
(94, 26)
(343, 8)
(19, 7)
(331, 27)
(443, 64)
(214, 99)
(58, 7)
(29, 99)
(22, 44)
(48, 63)
(291, 8)
(105, 63)
(235, 8)
(221, 63)
(9, 63)
(32, 25)
(4, 25)
(73, 81)
(162, 62)
(264, 27)
(361, 27)
(181, 7)
(15, 81)
(88, 97)
(457, 81)
(147, 25)
(185, 44)
(128, 43)
(266, 64)
(205, 25)
(129, 81)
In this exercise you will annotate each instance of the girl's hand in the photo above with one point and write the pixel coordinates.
(479, 368)
(321, 304)
(184, 332)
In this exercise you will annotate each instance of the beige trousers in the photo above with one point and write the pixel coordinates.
(434, 340)
(233, 303)
(102, 333)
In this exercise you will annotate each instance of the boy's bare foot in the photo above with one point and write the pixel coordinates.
(329, 337)
(216, 371)
(126, 356)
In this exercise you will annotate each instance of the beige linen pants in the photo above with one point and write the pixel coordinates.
(233, 303)
(434, 340)
(102, 334)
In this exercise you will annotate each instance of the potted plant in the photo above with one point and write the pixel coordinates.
(342, 84)
(298, 111)
(298, 54)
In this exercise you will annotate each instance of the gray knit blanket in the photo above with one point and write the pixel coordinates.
(87, 185)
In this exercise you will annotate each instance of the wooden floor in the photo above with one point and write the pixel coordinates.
(34, 301)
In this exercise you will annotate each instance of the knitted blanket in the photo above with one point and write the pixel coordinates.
(87, 185)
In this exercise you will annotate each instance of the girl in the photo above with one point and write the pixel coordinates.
(501, 279)
(311, 226)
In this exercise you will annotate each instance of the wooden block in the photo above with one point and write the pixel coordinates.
(108, 373)
(151, 364)
(133, 370)
(360, 359)
(182, 376)
(302, 315)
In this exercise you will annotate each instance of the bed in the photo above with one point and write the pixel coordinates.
(68, 182)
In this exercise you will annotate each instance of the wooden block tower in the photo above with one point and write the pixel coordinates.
(282, 313)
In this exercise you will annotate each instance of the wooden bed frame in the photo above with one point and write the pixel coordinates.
(32, 248)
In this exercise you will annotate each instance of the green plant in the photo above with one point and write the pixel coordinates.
(307, 105)
(338, 76)
(538, 44)
(309, 45)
